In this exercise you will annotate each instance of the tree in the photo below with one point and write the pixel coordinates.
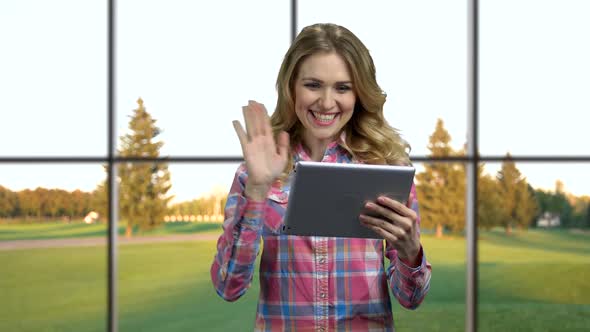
(489, 201)
(144, 186)
(80, 203)
(99, 200)
(528, 208)
(557, 204)
(211, 204)
(508, 177)
(518, 201)
(54, 202)
(8, 202)
(441, 186)
(561, 205)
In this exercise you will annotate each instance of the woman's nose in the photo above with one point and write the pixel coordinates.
(327, 101)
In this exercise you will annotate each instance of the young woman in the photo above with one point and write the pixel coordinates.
(329, 109)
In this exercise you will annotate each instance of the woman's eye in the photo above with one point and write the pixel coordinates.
(312, 85)
(343, 88)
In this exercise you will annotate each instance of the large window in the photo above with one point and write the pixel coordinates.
(533, 78)
(507, 80)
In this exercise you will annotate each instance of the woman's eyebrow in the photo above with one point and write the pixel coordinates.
(320, 81)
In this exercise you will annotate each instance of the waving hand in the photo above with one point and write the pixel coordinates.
(265, 159)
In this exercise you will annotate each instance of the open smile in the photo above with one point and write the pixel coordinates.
(323, 119)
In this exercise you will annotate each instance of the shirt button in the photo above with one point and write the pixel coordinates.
(322, 260)
(323, 295)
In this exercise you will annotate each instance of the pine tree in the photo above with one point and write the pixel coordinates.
(518, 200)
(508, 177)
(489, 200)
(528, 207)
(143, 199)
(441, 186)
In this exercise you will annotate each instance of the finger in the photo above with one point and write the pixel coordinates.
(283, 144)
(248, 121)
(397, 206)
(263, 120)
(255, 115)
(242, 136)
(401, 221)
(370, 223)
(384, 225)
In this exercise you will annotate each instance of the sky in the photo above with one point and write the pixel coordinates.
(195, 64)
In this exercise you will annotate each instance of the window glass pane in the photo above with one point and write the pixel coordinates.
(196, 64)
(534, 248)
(535, 77)
(419, 50)
(54, 78)
(441, 194)
(52, 249)
(164, 278)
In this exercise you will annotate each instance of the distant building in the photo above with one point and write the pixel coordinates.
(91, 217)
(548, 220)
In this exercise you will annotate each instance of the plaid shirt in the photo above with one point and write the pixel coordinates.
(310, 283)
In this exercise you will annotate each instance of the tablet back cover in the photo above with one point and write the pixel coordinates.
(326, 199)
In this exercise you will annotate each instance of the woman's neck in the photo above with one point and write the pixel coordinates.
(316, 148)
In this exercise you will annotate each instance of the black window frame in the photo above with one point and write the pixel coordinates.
(471, 160)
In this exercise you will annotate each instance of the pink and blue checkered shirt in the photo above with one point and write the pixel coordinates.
(310, 283)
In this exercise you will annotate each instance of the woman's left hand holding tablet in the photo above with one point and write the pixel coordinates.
(396, 223)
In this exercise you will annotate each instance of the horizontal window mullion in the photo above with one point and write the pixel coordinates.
(233, 159)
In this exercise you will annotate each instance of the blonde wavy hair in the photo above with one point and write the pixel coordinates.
(368, 136)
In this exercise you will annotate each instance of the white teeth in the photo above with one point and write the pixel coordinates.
(324, 117)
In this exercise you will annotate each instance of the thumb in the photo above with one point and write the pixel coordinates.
(242, 135)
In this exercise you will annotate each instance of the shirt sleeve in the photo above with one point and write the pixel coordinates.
(409, 285)
(238, 245)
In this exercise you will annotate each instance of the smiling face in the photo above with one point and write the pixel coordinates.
(324, 98)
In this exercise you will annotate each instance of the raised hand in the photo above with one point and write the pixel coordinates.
(265, 158)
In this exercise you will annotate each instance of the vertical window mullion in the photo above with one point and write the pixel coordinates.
(293, 19)
(112, 200)
(472, 166)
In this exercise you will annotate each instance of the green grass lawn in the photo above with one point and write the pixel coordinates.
(534, 281)
(60, 230)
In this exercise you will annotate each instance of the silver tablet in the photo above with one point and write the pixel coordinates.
(326, 199)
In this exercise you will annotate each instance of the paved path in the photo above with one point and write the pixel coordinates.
(102, 241)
